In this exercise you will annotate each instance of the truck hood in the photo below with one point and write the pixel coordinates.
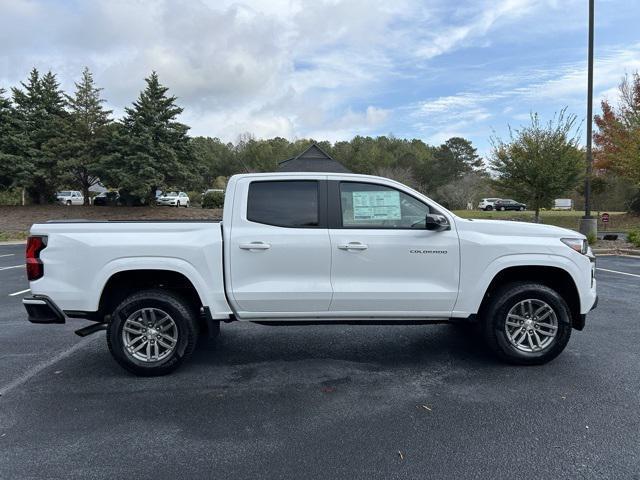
(509, 227)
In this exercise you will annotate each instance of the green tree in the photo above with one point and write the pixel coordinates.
(453, 160)
(85, 143)
(153, 147)
(540, 161)
(13, 169)
(213, 159)
(39, 108)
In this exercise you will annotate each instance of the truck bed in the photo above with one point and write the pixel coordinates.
(81, 256)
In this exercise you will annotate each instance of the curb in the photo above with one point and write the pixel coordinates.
(14, 242)
(627, 252)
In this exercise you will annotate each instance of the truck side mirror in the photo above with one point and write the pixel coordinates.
(436, 223)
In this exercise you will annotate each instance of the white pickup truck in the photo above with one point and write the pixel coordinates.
(311, 248)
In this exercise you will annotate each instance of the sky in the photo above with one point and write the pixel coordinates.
(332, 69)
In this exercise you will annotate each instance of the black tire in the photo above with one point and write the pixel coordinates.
(178, 204)
(68, 203)
(502, 209)
(494, 318)
(522, 209)
(182, 314)
(488, 208)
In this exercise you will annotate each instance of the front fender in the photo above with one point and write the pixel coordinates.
(473, 286)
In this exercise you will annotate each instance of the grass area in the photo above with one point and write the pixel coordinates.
(618, 221)
(12, 236)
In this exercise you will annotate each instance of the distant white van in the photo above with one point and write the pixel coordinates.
(563, 204)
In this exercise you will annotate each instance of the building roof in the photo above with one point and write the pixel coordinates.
(313, 159)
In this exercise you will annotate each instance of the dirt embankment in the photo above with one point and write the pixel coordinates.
(19, 219)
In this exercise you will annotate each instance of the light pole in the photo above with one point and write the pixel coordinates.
(588, 224)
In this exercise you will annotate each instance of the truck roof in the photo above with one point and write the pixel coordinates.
(308, 175)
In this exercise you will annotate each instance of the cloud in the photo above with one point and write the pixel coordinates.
(478, 22)
(519, 92)
(325, 68)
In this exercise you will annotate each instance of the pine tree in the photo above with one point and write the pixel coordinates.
(154, 148)
(85, 143)
(13, 170)
(40, 111)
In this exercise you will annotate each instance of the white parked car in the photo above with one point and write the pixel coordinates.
(173, 199)
(70, 197)
(312, 248)
(487, 203)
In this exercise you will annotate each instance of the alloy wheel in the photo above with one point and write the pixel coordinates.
(149, 335)
(531, 325)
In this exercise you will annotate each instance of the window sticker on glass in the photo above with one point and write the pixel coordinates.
(380, 205)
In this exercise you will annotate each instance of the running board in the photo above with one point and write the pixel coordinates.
(421, 321)
(93, 328)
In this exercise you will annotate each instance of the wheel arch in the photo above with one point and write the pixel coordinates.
(125, 282)
(554, 277)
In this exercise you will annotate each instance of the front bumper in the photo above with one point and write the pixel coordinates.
(580, 322)
(41, 309)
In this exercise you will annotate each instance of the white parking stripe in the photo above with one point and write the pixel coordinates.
(8, 255)
(15, 266)
(621, 273)
(20, 292)
(32, 372)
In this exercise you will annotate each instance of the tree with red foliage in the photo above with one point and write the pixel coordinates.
(618, 138)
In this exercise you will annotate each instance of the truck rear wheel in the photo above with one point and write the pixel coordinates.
(152, 332)
(527, 323)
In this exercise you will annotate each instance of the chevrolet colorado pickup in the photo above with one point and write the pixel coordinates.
(311, 248)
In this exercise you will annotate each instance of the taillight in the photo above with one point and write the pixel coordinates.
(35, 268)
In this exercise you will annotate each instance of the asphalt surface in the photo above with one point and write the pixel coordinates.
(324, 401)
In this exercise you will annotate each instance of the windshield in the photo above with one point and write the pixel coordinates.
(171, 194)
(64, 194)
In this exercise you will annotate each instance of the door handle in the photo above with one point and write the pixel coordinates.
(255, 246)
(353, 246)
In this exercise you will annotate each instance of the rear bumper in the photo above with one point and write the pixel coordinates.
(41, 309)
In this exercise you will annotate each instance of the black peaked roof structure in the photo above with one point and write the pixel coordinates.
(313, 159)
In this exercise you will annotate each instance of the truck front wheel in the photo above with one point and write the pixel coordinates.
(526, 323)
(152, 332)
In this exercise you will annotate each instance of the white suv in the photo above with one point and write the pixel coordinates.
(70, 197)
(487, 203)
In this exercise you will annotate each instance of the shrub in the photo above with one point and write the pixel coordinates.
(195, 197)
(634, 237)
(213, 200)
(12, 196)
(592, 238)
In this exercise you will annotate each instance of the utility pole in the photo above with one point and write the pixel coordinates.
(588, 224)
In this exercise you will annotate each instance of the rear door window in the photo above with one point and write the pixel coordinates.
(287, 203)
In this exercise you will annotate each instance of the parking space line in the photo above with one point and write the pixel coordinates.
(8, 255)
(20, 292)
(8, 268)
(32, 372)
(621, 273)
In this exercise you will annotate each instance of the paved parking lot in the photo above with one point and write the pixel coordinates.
(323, 401)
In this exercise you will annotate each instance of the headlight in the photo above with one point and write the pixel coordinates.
(580, 245)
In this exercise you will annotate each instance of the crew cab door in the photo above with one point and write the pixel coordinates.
(279, 251)
(384, 261)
